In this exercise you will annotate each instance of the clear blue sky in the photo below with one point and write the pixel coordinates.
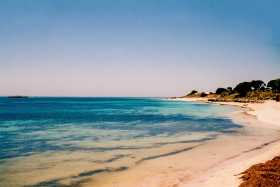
(135, 48)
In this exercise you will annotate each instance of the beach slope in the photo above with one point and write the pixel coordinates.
(228, 172)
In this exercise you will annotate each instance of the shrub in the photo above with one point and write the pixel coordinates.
(278, 98)
(257, 84)
(220, 90)
(229, 89)
(193, 92)
(274, 85)
(203, 94)
(243, 88)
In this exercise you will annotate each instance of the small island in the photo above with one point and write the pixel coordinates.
(18, 97)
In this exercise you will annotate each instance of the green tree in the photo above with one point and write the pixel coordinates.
(193, 92)
(257, 84)
(203, 94)
(243, 88)
(229, 89)
(274, 85)
(220, 90)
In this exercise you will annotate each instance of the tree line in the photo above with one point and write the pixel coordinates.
(244, 88)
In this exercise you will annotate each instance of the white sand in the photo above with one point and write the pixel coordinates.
(190, 99)
(226, 173)
(268, 112)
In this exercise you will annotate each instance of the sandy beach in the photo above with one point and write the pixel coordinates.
(185, 161)
(227, 172)
(218, 162)
(157, 93)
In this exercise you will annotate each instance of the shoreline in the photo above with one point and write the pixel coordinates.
(215, 163)
(216, 160)
(267, 112)
(228, 172)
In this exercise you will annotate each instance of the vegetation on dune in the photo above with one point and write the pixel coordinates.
(193, 93)
(220, 90)
(274, 85)
(278, 98)
(244, 88)
(258, 85)
(229, 89)
(203, 94)
(254, 91)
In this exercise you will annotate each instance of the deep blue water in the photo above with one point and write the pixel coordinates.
(36, 125)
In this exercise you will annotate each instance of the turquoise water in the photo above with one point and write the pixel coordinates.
(113, 132)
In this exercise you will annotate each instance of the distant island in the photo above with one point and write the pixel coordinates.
(18, 97)
(245, 92)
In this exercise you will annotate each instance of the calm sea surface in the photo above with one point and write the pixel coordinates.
(59, 141)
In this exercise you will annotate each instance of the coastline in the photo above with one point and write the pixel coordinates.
(218, 162)
(268, 111)
(227, 173)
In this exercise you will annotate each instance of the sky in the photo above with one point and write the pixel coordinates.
(135, 47)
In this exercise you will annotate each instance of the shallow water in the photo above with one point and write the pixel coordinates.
(66, 141)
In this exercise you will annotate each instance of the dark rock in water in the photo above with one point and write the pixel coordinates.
(17, 97)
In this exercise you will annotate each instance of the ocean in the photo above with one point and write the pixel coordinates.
(64, 141)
